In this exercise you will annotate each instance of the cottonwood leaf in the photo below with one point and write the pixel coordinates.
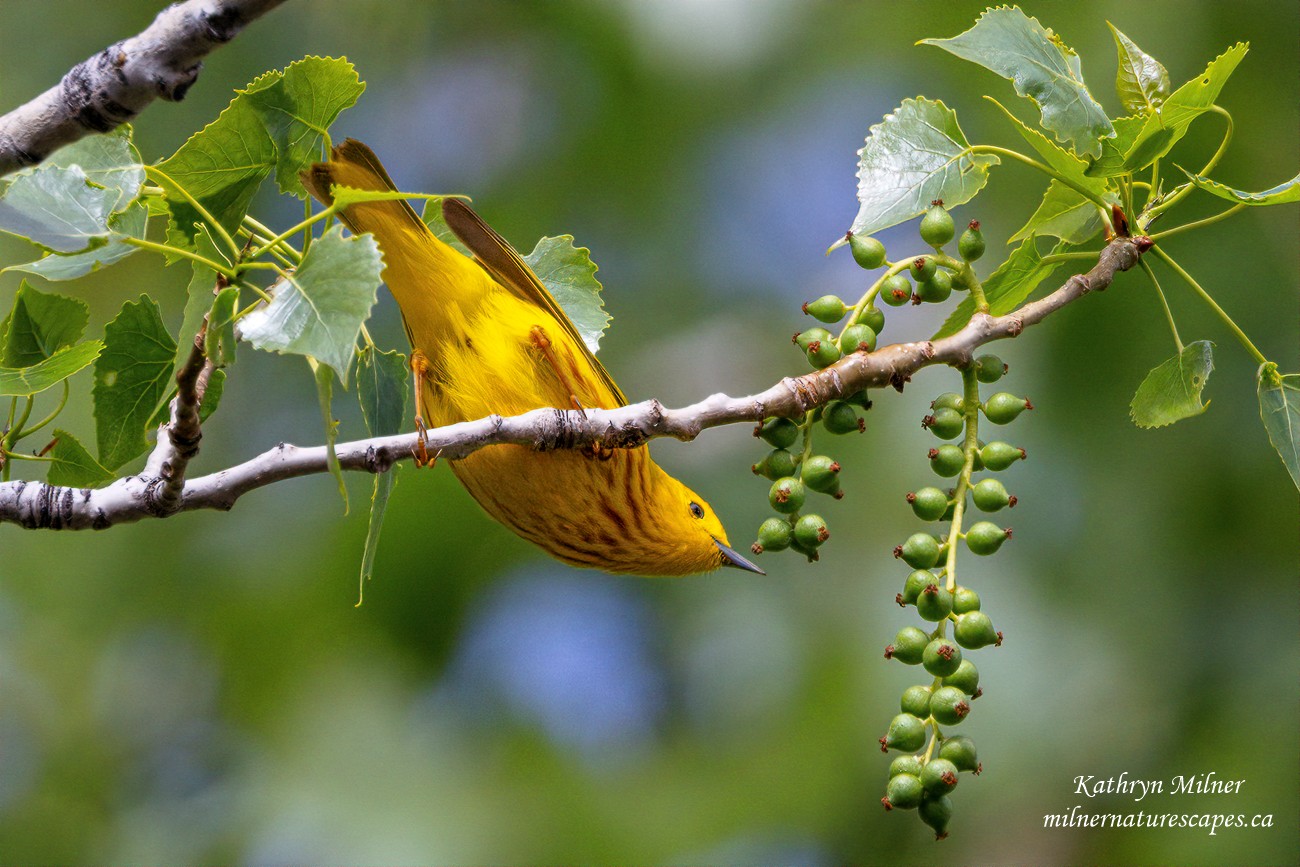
(319, 309)
(298, 104)
(569, 275)
(220, 336)
(1007, 287)
(35, 378)
(132, 378)
(57, 208)
(69, 266)
(915, 155)
(1041, 67)
(1279, 409)
(1063, 161)
(73, 466)
(109, 160)
(1064, 214)
(1165, 127)
(38, 325)
(1172, 391)
(383, 386)
(1142, 82)
(1279, 195)
(221, 166)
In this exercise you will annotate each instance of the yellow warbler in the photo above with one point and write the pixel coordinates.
(488, 338)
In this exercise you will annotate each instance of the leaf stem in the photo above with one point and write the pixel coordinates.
(63, 401)
(1184, 189)
(1169, 314)
(971, 409)
(213, 223)
(1205, 296)
(265, 233)
(1047, 170)
(15, 428)
(168, 249)
(1222, 215)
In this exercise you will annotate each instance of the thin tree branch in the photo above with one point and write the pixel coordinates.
(178, 440)
(112, 87)
(36, 505)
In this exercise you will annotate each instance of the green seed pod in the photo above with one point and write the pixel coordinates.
(905, 765)
(960, 750)
(949, 400)
(857, 337)
(989, 368)
(779, 433)
(776, 464)
(934, 603)
(985, 537)
(920, 551)
(941, 657)
(990, 495)
(937, 228)
(787, 495)
(928, 504)
(909, 646)
(949, 705)
(974, 630)
(1002, 408)
(997, 455)
(820, 473)
(939, 777)
(816, 333)
(810, 553)
(861, 399)
(774, 534)
(916, 701)
(867, 251)
(922, 268)
(945, 423)
(966, 678)
(872, 317)
(810, 531)
(917, 582)
(839, 417)
(965, 599)
(904, 791)
(822, 353)
(828, 308)
(937, 813)
(896, 291)
(906, 733)
(936, 289)
(947, 460)
(971, 243)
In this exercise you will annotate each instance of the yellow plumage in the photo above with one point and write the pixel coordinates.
(496, 342)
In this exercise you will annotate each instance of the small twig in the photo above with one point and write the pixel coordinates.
(178, 440)
(112, 87)
(38, 505)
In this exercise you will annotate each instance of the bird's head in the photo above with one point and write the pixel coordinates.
(691, 538)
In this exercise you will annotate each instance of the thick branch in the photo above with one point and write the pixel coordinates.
(37, 505)
(113, 86)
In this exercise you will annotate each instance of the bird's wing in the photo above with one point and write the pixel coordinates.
(509, 268)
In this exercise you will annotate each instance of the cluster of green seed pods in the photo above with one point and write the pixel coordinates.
(931, 761)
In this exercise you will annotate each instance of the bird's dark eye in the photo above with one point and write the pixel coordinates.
(697, 510)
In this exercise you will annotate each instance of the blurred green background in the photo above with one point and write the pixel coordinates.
(203, 690)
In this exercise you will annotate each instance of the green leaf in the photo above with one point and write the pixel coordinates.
(198, 301)
(73, 466)
(132, 377)
(1164, 128)
(297, 106)
(40, 324)
(109, 160)
(325, 394)
(1007, 287)
(212, 397)
(69, 266)
(319, 309)
(383, 386)
(569, 275)
(1041, 67)
(33, 379)
(57, 208)
(1141, 82)
(915, 155)
(432, 218)
(1060, 159)
(221, 327)
(1172, 391)
(221, 166)
(1279, 195)
(1064, 214)
(1279, 408)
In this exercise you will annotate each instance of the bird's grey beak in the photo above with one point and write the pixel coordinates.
(731, 558)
